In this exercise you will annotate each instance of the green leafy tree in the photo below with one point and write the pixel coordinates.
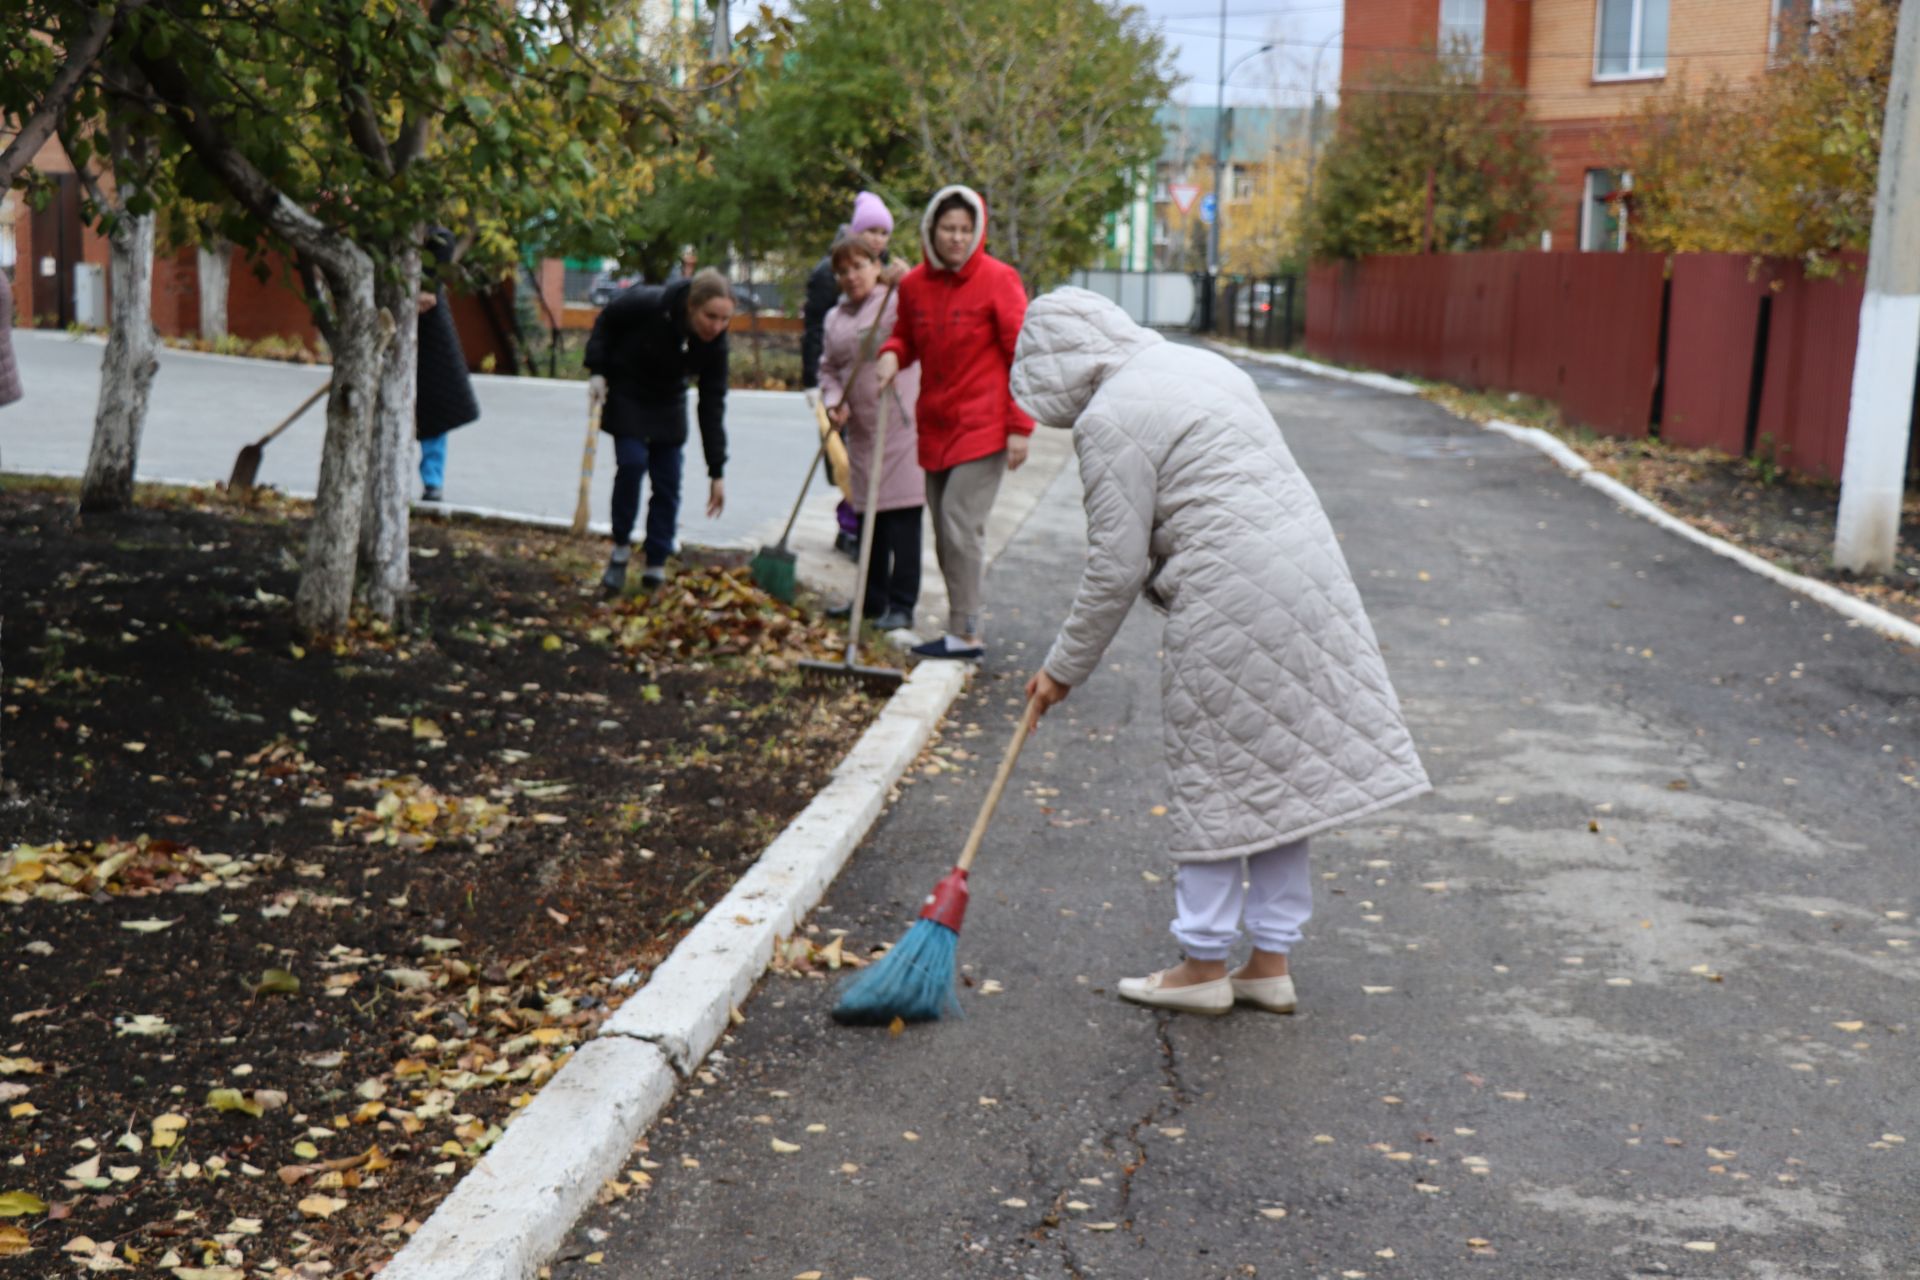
(49, 51)
(342, 132)
(1784, 168)
(1428, 157)
(1042, 105)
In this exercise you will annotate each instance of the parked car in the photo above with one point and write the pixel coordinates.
(1253, 302)
(606, 284)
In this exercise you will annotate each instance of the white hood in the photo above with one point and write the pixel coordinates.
(974, 201)
(1072, 341)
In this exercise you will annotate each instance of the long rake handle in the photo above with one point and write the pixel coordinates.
(867, 520)
(805, 485)
(992, 802)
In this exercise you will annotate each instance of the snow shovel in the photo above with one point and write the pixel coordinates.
(849, 669)
(247, 465)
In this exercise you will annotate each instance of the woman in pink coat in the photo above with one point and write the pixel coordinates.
(893, 578)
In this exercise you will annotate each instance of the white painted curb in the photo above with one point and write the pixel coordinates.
(508, 1215)
(1855, 610)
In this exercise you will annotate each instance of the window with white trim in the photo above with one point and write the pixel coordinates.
(1631, 39)
(1463, 30)
(1794, 25)
(1603, 215)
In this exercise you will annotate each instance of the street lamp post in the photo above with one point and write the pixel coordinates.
(1313, 130)
(1220, 143)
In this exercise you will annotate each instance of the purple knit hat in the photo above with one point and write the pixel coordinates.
(869, 212)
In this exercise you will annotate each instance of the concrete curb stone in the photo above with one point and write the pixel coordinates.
(514, 1208)
(1858, 612)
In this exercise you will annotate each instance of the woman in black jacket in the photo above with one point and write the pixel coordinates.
(444, 398)
(644, 347)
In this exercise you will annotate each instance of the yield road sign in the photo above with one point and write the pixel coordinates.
(1183, 194)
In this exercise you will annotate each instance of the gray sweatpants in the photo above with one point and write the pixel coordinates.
(960, 499)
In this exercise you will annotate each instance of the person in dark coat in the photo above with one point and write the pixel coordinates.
(10, 389)
(644, 347)
(444, 399)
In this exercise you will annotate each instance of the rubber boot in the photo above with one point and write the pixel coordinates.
(614, 580)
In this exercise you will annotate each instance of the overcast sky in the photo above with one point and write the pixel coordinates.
(1192, 29)
(1281, 77)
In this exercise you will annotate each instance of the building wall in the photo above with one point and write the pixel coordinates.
(1383, 34)
(1707, 41)
(1548, 48)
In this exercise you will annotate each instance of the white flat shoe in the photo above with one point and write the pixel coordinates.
(1275, 995)
(1214, 997)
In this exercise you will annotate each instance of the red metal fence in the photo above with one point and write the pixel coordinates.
(1708, 349)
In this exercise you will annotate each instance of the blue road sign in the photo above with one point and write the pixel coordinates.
(1208, 207)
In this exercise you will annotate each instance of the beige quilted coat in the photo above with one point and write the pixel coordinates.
(1280, 720)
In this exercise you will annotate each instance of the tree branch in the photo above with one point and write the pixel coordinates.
(305, 233)
(45, 120)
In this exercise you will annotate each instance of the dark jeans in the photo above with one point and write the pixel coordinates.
(634, 459)
(893, 576)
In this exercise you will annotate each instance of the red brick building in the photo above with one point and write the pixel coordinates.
(56, 264)
(1585, 66)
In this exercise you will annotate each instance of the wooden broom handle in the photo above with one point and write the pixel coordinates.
(1027, 720)
(293, 417)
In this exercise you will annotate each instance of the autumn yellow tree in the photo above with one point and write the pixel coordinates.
(1261, 234)
(1787, 169)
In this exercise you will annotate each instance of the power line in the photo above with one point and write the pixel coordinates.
(1250, 13)
(1433, 50)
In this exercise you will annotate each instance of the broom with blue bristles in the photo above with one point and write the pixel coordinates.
(914, 981)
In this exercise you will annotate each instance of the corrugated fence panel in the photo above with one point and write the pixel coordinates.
(1809, 379)
(1610, 336)
(1478, 340)
(1712, 324)
(1326, 285)
(1583, 330)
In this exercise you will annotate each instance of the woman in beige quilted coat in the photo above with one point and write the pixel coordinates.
(1280, 721)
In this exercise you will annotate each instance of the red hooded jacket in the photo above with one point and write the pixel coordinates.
(961, 326)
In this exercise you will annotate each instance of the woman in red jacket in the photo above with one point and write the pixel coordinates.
(959, 317)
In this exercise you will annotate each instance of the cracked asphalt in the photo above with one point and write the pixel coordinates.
(1633, 993)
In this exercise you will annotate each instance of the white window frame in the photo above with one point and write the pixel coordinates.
(1472, 47)
(1634, 52)
(1815, 11)
(1623, 182)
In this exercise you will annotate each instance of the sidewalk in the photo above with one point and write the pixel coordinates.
(522, 458)
(1630, 994)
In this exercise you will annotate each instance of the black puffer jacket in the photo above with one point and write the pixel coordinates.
(446, 397)
(645, 349)
(822, 292)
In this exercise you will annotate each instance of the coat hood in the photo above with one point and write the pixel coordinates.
(1072, 341)
(979, 207)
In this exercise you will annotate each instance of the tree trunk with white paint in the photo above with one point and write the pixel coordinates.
(216, 277)
(384, 533)
(127, 369)
(358, 334)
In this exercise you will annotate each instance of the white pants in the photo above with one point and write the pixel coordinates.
(1270, 890)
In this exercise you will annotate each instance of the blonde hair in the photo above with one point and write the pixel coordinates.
(708, 284)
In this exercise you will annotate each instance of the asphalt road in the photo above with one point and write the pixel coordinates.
(1633, 993)
(521, 458)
